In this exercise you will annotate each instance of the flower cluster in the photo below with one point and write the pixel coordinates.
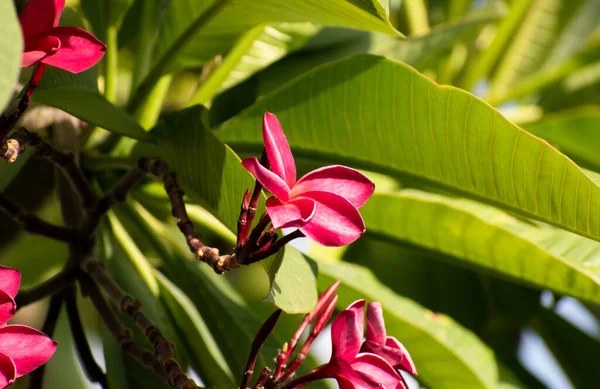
(22, 348)
(323, 204)
(68, 48)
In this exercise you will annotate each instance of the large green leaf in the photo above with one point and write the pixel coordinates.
(212, 175)
(10, 51)
(391, 119)
(446, 355)
(333, 43)
(186, 41)
(477, 235)
(78, 95)
(573, 132)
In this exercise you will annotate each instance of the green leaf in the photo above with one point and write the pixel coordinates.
(207, 359)
(255, 50)
(11, 48)
(187, 41)
(105, 13)
(211, 174)
(78, 95)
(446, 355)
(570, 346)
(574, 132)
(391, 119)
(475, 235)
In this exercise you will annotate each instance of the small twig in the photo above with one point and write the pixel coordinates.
(132, 307)
(262, 379)
(243, 220)
(278, 245)
(253, 204)
(35, 225)
(91, 368)
(251, 244)
(52, 285)
(37, 376)
(7, 123)
(261, 337)
(65, 161)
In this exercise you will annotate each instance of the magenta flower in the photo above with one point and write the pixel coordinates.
(22, 349)
(350, 365)
(323, 204)
(68, 48)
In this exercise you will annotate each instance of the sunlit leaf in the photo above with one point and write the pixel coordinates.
(11, 47)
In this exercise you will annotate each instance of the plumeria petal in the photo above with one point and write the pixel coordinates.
(26, 346)
(377, 371)
(8, 371)
(8, 308)
(79, 50)
(37, 49)
(10, 280)
(39, 16)
(278, 149)
(272, 182)
(336, 221)
(407, 363)
(375, 323)
(345, 336)
(394, 352)
(341, 180)
(294, 213)
(359, 307)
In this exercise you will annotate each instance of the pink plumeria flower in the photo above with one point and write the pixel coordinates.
(22, 349)
(68, 48)
(377, 342)
(323, 204)
(350, 367)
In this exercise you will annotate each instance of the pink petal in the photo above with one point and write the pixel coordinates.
(272, 182)
(39, 16)
(336, 221)
(407, 363)
(10, 280)
(377, 371)
(37, 49)
(341, 180)
(79, 50)
(8, 371)
(359, 307)
(294, 213)
(375, 323)
(345, 336)
(8, 308)
(344, 374)
(278, 150)
(26, 346)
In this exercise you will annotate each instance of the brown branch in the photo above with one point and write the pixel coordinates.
(65, 161)
(7, 123)
(35, 225)
(132, 307)
(50, 286)
(91, 368)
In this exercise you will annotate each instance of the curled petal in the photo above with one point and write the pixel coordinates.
(359, 307)
(8, 371)
(8, 308)
(293, 213)
(278, 149)
(39, 48)
(344, 374)
(345, 336)
(272, 182)
(10, 280)
(39, 16)
(393, 352)
(26, 346)
(79, 50)
(341, 180)
(377, 371)
(336, 221)
(375, 323)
